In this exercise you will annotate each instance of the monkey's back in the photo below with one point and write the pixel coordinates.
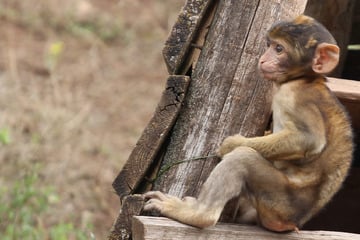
(334, 161)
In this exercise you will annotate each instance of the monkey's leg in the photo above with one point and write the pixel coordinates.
(245, 212)
(224, 183)
(275, 199)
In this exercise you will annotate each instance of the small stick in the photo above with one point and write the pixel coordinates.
(170, 165)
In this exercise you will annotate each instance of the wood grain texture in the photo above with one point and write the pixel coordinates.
(131, 206)
(226, 96)
(345, 89)
(184, 33)
(154, 228)
(153, 136)
(348, 92)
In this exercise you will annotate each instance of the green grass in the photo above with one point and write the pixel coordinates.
(24, 207)
(5, 136)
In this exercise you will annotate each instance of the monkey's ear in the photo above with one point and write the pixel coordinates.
(326, 58)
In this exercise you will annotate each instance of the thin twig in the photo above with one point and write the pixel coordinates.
(170, 165)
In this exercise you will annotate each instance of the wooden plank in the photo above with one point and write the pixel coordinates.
(153, 136)
(184, 33)
(348, 92)
(154, 228)
(345, 89)
(131, 206)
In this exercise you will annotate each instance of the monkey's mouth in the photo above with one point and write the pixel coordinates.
(268, 75)
(271, 75)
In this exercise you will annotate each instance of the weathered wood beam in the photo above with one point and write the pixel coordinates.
(348, 92)
(154, 228)
(186, 33)
(153, 136)
(345, 89)
(131, 205)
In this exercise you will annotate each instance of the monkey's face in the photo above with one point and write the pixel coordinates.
(275, 62)
(296, 49)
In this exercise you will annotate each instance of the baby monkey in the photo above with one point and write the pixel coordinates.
(286, 177)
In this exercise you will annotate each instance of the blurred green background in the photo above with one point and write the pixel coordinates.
(79, 79)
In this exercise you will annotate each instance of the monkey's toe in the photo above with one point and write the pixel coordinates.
(153, 205)
(155, 195)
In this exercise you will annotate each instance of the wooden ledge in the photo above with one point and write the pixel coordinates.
(345, 89)
(154, 228)
(348, 92)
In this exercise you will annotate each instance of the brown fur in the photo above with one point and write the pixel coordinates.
(289, 175)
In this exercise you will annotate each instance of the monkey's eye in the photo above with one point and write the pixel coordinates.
(279, 48)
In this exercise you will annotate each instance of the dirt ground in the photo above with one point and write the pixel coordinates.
(78, 82)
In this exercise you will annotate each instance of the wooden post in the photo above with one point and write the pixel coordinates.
(131, 205)
(226, 95)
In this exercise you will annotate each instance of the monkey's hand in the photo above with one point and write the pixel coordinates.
(229, 144)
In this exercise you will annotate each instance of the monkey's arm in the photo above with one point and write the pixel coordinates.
(287, 144)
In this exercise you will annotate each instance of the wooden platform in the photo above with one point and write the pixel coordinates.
(348, 92)
(345, 89)
(155, 228)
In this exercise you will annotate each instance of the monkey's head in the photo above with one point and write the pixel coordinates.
(299, 48)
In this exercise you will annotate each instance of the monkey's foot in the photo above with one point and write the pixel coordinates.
(278, 225)
(187, 210)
